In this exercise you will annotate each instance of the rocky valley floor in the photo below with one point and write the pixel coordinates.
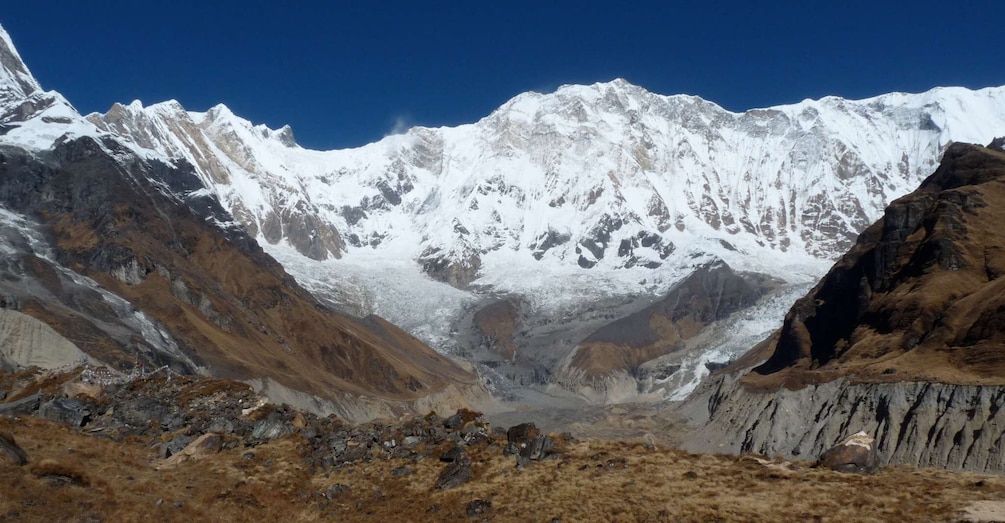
(216, 453)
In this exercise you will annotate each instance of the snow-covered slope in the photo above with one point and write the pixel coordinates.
(607, 176)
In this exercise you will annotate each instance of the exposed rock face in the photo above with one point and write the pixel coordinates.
(959, 427)
(902, 338)
(920, 296)
(26, 341)
(616, 351)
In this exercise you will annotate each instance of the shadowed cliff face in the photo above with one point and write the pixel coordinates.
(919, 297)
(141, 231)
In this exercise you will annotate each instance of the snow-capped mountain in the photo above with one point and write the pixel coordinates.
(112, 254)
(607, 176)
(583, 205)
(567, 198)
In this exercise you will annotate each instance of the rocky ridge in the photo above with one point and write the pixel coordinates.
(901, 339)
(128, 259)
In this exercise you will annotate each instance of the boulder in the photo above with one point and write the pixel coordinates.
(538, 449)
(73, 412)
(519, 437)
(857, 453)
(199, 449)
(175, 446)
(10, 451)
(26, 405)
(456, 473)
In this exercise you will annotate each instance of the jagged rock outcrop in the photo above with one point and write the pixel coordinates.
(903, 339)
(959, 427)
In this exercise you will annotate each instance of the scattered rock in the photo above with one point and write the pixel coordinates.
(455, 474)
(10, 451)
(478, 507)
(857, 453)
(401, 471)
(691, 475)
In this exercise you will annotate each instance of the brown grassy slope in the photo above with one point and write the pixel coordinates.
(228, 304)
(919, 297)
(710, 294)
(498, 322)
(74, 477)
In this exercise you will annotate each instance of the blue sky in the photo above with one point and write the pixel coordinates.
(344, 74)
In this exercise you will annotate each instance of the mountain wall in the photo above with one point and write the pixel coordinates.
(903, 338)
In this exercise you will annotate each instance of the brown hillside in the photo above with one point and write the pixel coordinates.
(919, 297)
(231, 307)
(711, 293)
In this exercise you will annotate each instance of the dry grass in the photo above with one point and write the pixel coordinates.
(589, 481)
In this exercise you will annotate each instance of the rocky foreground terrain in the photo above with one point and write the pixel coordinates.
(194, 449)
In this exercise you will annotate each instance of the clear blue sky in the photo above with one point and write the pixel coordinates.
(344, 73)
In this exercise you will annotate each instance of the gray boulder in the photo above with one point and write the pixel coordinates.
(26, 405)
(73, 412)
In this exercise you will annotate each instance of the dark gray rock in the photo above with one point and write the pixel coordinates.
(10, 451)
(454, 474)
(221, 425)
(139, 412)
(73, 412)
(26, 405)
(270, 428)
(478, 507)
(452, 455)
(401, 471)
(538, 449)
(175, 446)
(453, 421)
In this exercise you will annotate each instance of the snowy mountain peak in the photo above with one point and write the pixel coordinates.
(15, 78)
